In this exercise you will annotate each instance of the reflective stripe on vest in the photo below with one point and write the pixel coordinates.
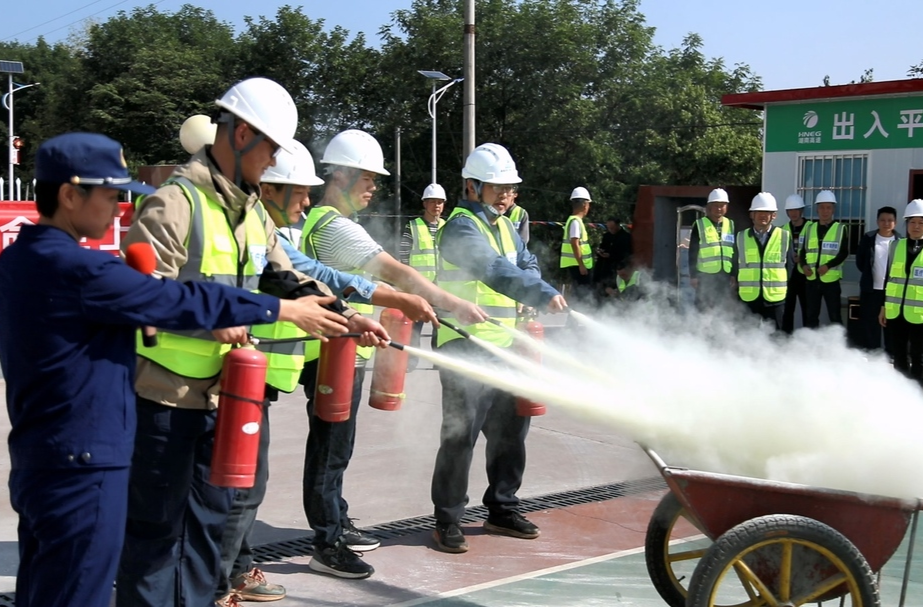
(567, 250)
(903, 289)
(317, 218)
(762, 274)
(818, 254)
(284, 361)
(423, 253)
(715, 252)
(211, 256)
(459, 282)
(797, 246)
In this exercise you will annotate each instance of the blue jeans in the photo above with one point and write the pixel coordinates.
(175, 517)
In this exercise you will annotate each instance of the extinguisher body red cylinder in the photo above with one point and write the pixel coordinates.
(240, 415)
(524, 406)
(387, 391)
(335, 370)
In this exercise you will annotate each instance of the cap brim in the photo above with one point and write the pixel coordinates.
(135, 187)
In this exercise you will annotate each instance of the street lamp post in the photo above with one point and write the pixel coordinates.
(433, 100)
(9, 68)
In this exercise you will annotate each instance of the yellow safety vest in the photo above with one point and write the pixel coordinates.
(459, 282)
(516, 216)
(818, 254)
(423, 254)
(632, 281)
(715, 252)
(212, 256)
(904, 289)
(317, 218)
(567, 251)
(284, 361)
(797, 245)
(762, 274)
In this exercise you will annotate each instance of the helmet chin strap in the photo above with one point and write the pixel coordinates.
(238, 154)
(286, 200)
(489, 209)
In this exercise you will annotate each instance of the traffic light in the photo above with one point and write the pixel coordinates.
(18, 142)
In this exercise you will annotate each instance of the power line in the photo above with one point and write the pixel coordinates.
(50, 20)
(88, 16)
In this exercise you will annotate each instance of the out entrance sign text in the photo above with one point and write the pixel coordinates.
(855, 124)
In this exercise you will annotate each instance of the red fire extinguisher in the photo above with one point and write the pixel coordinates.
(336, 366)
(524, 406)
(387, 391)
(240, 414)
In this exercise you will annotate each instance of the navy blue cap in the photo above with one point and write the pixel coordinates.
(86, 159)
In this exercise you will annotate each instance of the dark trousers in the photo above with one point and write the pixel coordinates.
(327, 454)
(714, 290)
(907, 344)
(71, 527)
(767, 311)
(172, 553)
(468, 409)
(236, 551)
(795, 294)
(581, 283)
(870, 303)
(827, 293)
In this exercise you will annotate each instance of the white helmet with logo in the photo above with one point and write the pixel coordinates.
(793, 202)
(293, 169)
(266, 106)
(914, 209)
(434, 190)
(825, 196)
(764, 201)
(197, 132)
(718, 195)
(491, 163)
(357, 150)
(580, 193)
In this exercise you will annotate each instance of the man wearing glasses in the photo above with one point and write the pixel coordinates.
(483, 260)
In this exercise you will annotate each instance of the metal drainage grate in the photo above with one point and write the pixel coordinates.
(301, 546)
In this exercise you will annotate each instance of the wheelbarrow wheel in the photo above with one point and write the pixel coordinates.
(671, 566)
(782, 560)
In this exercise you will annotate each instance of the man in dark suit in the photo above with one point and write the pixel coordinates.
(872, 261)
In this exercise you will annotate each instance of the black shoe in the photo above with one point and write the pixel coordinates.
(358, 540)
(449, 538)
(512, 524)
(340, 561)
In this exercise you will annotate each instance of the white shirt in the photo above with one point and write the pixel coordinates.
(880, 265)
(574, 230)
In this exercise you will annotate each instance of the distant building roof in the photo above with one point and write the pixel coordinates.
(759, 100)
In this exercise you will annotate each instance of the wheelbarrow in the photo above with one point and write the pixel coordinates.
(773, 544)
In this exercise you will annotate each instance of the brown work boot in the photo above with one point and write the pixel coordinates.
(252, 586)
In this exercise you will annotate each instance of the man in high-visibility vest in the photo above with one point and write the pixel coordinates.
(711, 253)
(822, 255)
(331, 235)
(902, 314)
(576, 254)
(797, 283)
(520, 218)
(762, 254)
(627, 281)
(204, 222)
(484, 261)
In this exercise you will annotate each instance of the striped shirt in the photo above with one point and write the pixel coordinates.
(344, 245)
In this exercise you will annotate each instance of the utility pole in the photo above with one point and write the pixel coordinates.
(397, 190)
(468, 75)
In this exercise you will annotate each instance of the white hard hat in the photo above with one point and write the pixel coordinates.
(434, 190)
(793, 202)
(581, 194)
(914, 209)
(293, 169)
(825, 196)
(718, 195)
(491, 163)
(197, 132)
(764, 201)
(266, 106)
(357, 150)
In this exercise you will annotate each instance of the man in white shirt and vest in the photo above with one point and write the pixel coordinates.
(822, 256)
(762, 254)
(711, 253)
(576, 254)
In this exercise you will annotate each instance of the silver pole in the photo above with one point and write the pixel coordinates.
(433, 99)
(468, 68)
(10, 142)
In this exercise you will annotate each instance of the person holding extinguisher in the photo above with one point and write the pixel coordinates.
(205, 221)
(484, 261)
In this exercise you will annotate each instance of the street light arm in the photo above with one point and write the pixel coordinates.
(437, 95)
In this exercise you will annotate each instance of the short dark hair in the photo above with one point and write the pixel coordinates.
(46, 196)
(886, 210)
(615, 219)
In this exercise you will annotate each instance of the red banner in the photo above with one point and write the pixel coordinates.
(14, 214)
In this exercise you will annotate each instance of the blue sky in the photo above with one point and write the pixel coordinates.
(792, 45)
